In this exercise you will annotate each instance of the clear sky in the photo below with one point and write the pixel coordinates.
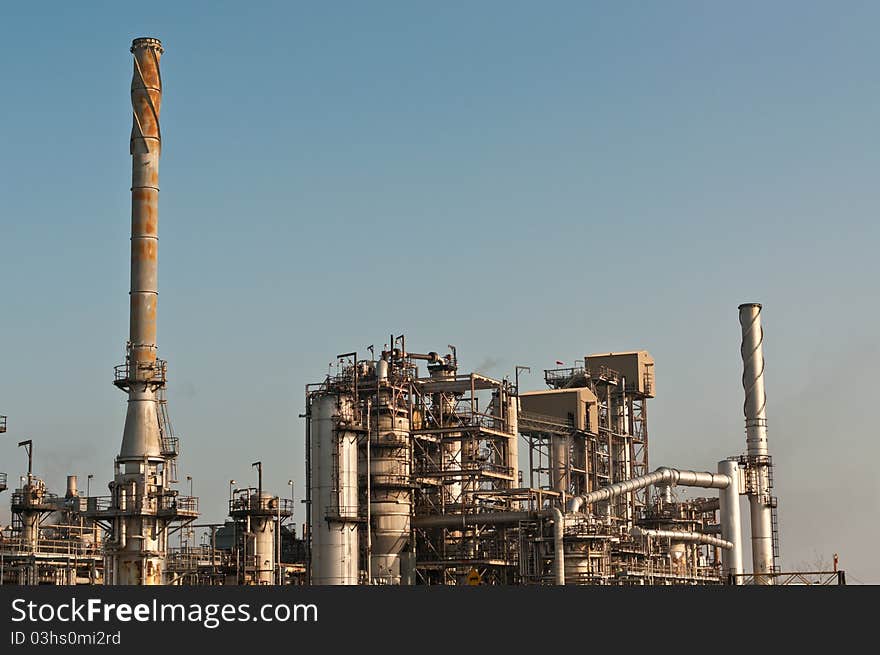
(528, 181)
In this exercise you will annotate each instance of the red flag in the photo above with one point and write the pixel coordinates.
(558, 363)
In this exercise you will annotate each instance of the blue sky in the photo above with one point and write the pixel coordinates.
(528, 181)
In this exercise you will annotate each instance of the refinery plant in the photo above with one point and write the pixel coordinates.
(417, 472)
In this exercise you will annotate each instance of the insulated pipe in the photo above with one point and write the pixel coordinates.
(558, 545)
(676, 535)
(661, 475)
(711, 504)
(431, 357)
(754, 410)
(462, 521)
(731, 526)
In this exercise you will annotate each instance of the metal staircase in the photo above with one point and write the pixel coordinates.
(170, 443)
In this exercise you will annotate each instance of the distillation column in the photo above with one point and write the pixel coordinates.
(451, 451)
(513, 444)
(260, 545)
(390, 485)
(334, 493)
(758, 472)
(505, 404)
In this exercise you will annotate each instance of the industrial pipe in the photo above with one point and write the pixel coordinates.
(431, 357)
(677, 535)
(731, 525)
(462, 521)
(661, 475)
(558, 547)
(711, 504)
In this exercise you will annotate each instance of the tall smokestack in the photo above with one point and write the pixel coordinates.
(141, 436)
(758, 462)
(142, 502)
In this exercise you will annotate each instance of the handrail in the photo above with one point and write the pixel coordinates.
(50, 546)
(812, 578)
(245, 501)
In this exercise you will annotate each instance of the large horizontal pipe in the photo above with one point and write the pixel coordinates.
(431, 357)
(662, 475)
(677, 535)
(460, 521)
(709, 505)
(506, 518)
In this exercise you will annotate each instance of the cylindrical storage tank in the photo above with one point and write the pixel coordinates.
(260, 546)
(391, 494)
(71, 486)
(334, 507)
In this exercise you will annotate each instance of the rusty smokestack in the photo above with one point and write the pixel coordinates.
(145, 374)
(142, 503)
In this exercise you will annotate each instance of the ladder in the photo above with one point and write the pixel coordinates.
(774, 522)
(774, 517)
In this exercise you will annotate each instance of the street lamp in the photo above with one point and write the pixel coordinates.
(88, 483)
(518, 369)
(190, 480)
(292, 520)
(278, 542)
(29, 449)
(531, 455)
